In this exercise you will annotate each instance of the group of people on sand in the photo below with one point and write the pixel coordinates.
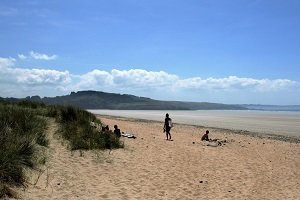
(117, 131)
(168, 125)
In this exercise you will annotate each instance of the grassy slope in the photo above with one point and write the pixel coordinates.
(23, 131)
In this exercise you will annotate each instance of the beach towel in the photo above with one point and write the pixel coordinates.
(128, 135)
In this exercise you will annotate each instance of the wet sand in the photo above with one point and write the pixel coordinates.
(264, 122)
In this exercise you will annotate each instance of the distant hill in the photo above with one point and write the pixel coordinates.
(103, 100)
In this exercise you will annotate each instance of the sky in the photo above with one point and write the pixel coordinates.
(233, 51)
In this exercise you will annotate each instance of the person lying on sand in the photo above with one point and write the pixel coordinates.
(205, 136)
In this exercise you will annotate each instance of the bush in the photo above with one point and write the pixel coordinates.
(31, 104)
(52, 111)
(75, 127)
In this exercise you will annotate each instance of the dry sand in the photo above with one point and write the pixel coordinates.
(149, 167)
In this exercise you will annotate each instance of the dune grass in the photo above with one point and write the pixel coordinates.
(76, 128)
(23, 131)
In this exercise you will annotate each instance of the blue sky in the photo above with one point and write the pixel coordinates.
(232, 51)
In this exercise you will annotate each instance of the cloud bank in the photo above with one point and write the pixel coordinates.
(21, 82)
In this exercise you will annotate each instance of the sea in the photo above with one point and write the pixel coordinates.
(285, 123)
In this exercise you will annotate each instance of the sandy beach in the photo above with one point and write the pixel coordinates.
(150, 167)
(262, 122)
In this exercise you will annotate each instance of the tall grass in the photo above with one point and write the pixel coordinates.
(21, 130)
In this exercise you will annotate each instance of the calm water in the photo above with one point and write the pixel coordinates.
(281, 123)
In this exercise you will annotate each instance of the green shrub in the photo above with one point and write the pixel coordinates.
(31, 104)
(71, 114)
(52, 111)
(75, 127)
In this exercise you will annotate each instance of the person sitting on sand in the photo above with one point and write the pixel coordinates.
(167, 126)
(205, 136)
(117, 131)
(106, 128)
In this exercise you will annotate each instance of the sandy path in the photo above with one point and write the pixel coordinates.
(152, 168)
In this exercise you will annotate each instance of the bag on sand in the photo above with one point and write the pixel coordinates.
(170, 123)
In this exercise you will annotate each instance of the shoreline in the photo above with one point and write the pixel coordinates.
(257, 122)
(284, 138)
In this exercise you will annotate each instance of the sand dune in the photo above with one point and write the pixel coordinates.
(149, 167)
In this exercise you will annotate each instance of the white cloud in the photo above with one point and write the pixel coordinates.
(7, 62)
(142, 78)
(154, 84)
(22, 56)
(122, 79)
(138, 78)
(94, 79)
(37, 56)
(41, 77)
(31, 77)
(235, 83)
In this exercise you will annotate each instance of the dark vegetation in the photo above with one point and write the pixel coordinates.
(76, 128)
(102, 100)
(22, 131)
(23, 138)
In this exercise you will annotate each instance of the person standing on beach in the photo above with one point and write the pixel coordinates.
(167, 126)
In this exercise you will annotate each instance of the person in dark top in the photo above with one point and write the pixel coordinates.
(167, 126)
(205, 136)
(106, 128)
(117, 131)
